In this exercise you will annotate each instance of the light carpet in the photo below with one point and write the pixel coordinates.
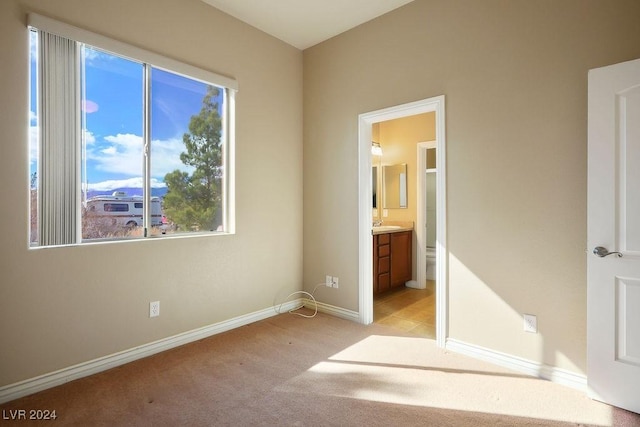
(324, 371)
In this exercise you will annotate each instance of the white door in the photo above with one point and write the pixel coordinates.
(613, 289)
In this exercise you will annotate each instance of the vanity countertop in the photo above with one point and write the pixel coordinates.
(392, 228)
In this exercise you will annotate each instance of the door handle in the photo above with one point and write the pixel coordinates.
(603, 252)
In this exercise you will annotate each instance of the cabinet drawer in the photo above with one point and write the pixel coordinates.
(384, 250)
(383, 265)
(384, 239)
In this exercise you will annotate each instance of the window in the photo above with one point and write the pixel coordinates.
(116, 207)
(111, 123)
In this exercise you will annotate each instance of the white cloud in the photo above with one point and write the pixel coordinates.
(124, 155)
(34, 135)
(33, 44)
(127, 140)
(165, 157)
(93, 55)
(113, 184)
(89, 138)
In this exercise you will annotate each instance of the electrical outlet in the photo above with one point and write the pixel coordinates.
(530, 323)
(154, 309)
(334, 282)
(328, 281)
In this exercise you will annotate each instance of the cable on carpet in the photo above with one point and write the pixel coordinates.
(293, 310)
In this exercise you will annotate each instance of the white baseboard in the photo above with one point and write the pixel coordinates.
(333, 310)
(43, 382)
(535, 369)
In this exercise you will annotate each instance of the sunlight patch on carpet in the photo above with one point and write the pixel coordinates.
(414, 371)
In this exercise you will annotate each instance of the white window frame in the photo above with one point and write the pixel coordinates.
(158, 61)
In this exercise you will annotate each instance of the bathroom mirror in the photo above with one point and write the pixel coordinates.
(395, 186)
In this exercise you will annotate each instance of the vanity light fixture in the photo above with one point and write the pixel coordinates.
(376, 150)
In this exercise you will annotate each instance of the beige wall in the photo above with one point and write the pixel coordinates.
(63, 306)
(514, 76)
(514, 73)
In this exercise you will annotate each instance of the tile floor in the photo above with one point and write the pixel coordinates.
(412, 310)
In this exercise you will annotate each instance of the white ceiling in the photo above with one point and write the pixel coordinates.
(304, 23)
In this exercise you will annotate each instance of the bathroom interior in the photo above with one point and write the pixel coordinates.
(399, 300)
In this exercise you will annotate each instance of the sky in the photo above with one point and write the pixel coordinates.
(113, 112)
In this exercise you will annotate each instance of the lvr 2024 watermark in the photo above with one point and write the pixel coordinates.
(31, 414)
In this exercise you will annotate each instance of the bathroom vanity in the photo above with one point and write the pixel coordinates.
(392, 257)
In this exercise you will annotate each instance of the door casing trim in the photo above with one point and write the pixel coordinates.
(365, 210)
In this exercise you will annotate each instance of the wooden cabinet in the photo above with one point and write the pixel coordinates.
(401, 260)
(392, 260)
(381, 263)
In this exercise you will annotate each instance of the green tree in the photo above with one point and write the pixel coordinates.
(193, 200)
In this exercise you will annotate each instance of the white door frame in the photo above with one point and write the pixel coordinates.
(365, 210)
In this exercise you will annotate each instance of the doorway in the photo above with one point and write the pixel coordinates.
(366, 121)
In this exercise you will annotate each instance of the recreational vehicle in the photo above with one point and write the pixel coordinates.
(123, 210)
